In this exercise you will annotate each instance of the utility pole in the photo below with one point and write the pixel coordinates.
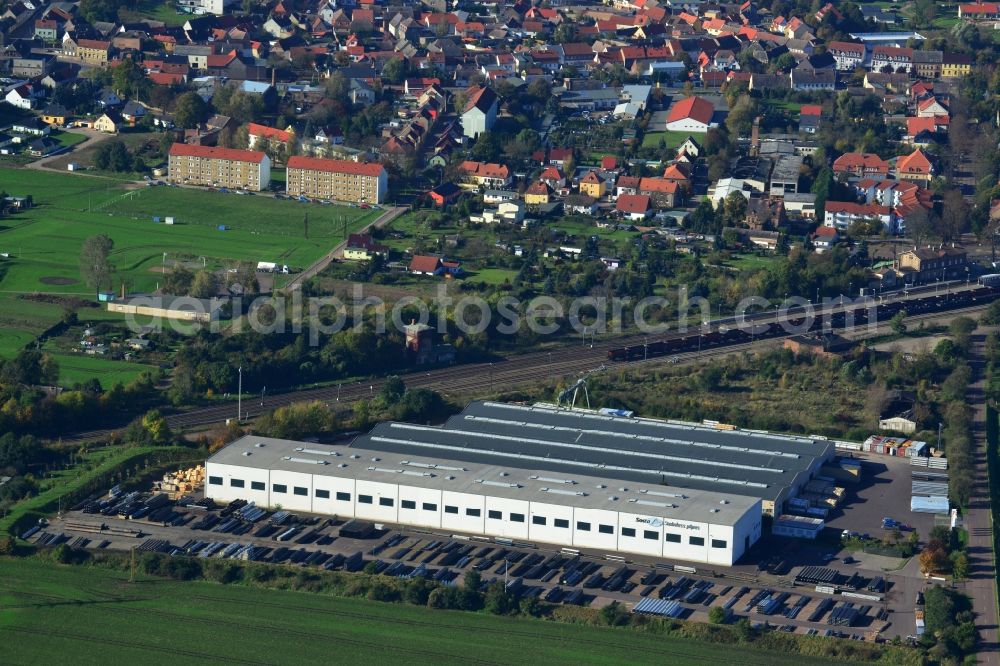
(131, 575)
(239, 396)
(305, 225)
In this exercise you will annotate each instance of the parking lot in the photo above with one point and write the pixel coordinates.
(775, 586)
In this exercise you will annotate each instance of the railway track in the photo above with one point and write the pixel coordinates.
(485, 377)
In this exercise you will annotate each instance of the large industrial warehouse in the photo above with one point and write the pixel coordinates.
(577, 479)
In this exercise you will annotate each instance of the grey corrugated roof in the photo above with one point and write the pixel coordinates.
(435, 471)
(639, 450)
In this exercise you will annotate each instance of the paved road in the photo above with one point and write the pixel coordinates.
(978, 521)
(338, 250)
(93, 137)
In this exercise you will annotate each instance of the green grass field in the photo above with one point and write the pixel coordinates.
(44, 244)
(78, 368)
(49, 611)
(66, 139)
(672, 139)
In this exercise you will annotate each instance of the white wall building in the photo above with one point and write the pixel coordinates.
(499, 501)
(578, 479)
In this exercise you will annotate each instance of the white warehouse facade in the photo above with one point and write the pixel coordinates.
(572, 478)
(486, 500)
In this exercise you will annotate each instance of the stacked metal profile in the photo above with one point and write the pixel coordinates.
(671, 609)
(843, 615)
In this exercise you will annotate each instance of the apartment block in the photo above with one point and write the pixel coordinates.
(219, 167)
(343, 180)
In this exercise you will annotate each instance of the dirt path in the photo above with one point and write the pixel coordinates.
(338, 250)
(978, 521)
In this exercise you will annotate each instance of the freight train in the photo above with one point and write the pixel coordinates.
(722, 335)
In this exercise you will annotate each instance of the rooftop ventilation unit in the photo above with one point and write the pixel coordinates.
(662, 505)
(557, 491)
(305, 461)
(498, 484)
(549, 479)
(432, 466)
(317, 452)
(657, 493)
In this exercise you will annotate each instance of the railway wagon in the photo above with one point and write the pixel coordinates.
(858, 316)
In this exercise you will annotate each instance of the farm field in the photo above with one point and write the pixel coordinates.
(48, 611)
(44, 243)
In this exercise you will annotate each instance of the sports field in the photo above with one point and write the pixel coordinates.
(49, 611)
(43, 243)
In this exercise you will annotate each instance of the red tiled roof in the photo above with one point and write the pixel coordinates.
(915, 162)
(852, 161)
(335, 166)
(633, 203)
(232, 154)
(269, 133)
(811, 110)
(424, 263)
(657, 185)
(93, 44)
(692, 107)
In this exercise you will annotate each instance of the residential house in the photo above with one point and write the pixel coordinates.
(485, 174)
(23, 96)
(133, 112)
(109, 122)
(916, 167)
(582, 204)
(664, 193)
(55, 115)
(955, 65)
(538, 193)
(810, 117)
(927, 64)
(93, 52)
(825, 238)
(861, 165)
(930, 107)
(444, 194)
(592, 185)
(274, 137)
(636, 207)
(553, 177)
(362, 247)
(426, 264)
(480, 112)
(47, 30)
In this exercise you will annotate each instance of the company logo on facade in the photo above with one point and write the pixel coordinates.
(654, 522)
(689, 526)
